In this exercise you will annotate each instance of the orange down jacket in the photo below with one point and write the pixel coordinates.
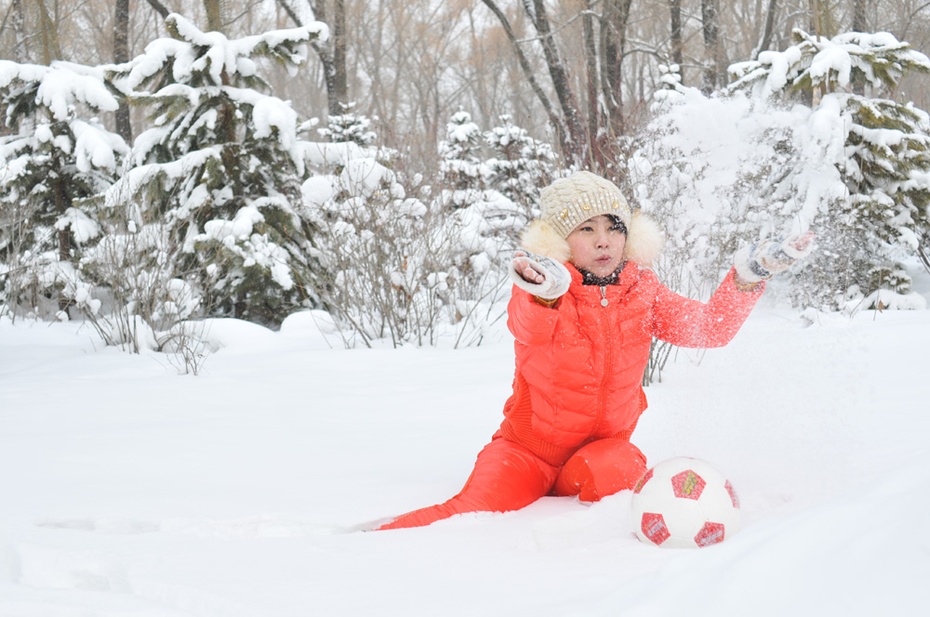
(579, 366)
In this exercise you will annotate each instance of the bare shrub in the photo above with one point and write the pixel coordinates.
(411, 270)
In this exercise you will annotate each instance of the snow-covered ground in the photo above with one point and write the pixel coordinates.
(128, 490)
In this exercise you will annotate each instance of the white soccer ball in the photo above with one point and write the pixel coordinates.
(684, 503)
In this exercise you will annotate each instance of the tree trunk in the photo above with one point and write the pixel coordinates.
(593, 91)
(859, 24)
(49, 34)
(120, 55)
(674, 7)
(64, 235)
(160, 8)
(816, 25)
(214, 15)
(711, 45)
(859, 21)
(18, 20)
(576, 141)
(325, 53)
(561, 131)
(340, 81)
(332, 53)
(613, 47)
(767, 30)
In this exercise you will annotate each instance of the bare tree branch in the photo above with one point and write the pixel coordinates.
(766, 39)
(560, 129)
(332, 53)
(560, 81)
(159, 8)
(290, 12)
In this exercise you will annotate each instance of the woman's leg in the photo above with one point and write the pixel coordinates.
(506, 477)
(601, 468)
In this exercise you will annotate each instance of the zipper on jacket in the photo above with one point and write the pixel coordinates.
(608, 366)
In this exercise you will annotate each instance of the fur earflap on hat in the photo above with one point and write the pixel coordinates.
(568, 202)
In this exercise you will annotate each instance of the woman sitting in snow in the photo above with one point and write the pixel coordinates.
(582, 334)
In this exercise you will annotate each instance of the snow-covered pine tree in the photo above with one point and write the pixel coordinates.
(54, 154)
(520, 165)
(217, 177)
(669, 82)
(461, 169)
(880, 149)
(349, 126)
(480, 196)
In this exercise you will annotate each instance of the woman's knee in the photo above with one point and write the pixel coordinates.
(601, 468)
(506, 477)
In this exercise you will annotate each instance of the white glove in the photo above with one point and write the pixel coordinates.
(541, 276)
(759, 262)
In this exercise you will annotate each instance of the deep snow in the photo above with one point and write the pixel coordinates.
(128, 490)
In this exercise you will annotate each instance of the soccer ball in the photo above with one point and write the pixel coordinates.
(684, 503)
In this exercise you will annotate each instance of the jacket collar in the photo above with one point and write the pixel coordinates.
(628, 278)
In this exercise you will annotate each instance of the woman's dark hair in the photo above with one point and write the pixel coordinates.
(617, 223)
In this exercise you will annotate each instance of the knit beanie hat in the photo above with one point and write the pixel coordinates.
(568, 202)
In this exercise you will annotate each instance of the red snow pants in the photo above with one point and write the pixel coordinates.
(508, 476)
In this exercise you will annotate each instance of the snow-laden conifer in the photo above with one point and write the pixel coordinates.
(879, 149)
(217, 175)
(791, 146)
(491, 182)
(54, 154)
(519, 165)
(461, 165)
(349, 127)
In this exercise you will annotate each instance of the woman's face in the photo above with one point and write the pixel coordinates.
(597, 245)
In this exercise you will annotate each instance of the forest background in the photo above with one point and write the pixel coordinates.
(412, 65)
(375, 161)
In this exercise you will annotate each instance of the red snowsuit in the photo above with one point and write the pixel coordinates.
(577, 391)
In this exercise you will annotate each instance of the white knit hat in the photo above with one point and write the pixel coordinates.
(568, 202)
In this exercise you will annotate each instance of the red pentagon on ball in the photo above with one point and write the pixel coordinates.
(654, 528)
(642, 481)
(688, 485)
(733, 496)
(710, 533)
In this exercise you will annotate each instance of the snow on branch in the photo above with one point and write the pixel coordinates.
(879, 59)
(232, 56)
(61, 86)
